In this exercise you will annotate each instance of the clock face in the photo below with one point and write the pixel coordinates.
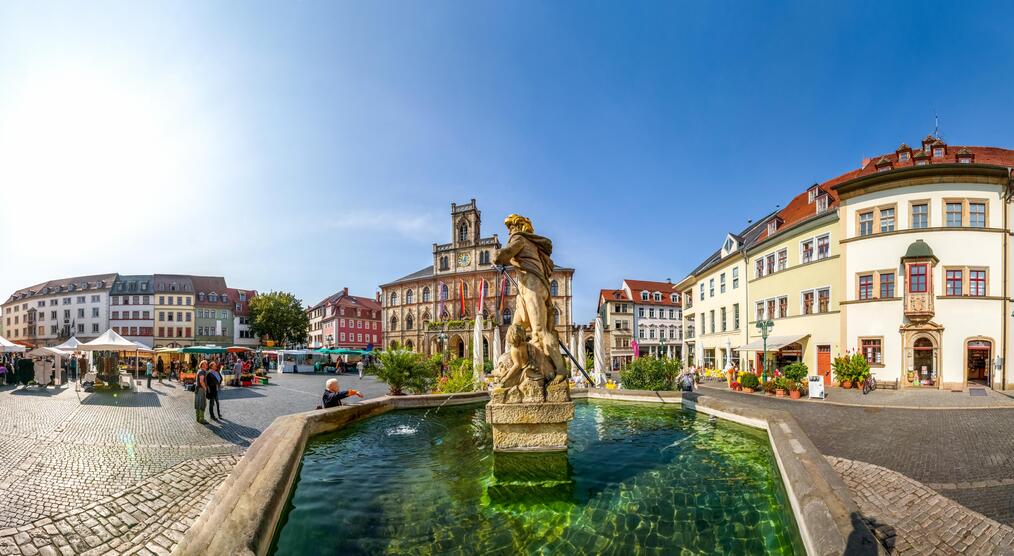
(463, 259)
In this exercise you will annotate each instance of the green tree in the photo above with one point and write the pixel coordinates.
(650, 373)
(405, 370)
(280, 317)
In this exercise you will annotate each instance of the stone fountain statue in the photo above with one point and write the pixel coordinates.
(530, 405)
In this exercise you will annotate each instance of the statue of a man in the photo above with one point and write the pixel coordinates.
(530, 254)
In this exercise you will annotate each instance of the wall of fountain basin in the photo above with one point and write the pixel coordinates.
(646, 472)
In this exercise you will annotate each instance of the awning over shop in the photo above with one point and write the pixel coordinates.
(775, 343)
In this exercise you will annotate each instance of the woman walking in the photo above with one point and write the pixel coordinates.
(201, 392)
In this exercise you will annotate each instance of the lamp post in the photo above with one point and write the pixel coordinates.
(765, 327)
(661, 345)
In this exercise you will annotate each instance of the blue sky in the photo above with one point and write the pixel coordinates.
(313, 145)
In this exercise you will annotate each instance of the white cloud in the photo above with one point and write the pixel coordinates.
(421, 228)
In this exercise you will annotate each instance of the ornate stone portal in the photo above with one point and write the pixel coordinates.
(530, 405)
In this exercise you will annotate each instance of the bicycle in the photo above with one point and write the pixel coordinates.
(870, 385)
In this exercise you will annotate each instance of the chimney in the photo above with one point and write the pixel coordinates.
(345, 292)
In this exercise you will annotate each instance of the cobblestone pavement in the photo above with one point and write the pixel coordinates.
(910, 518)
(61, 450)
(966, 455)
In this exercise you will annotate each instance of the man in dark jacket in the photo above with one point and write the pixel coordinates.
(333, 397)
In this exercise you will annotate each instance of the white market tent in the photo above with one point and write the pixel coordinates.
(290, 360)
(111, 341)
(143, 348)
(70, 345)
(43, 371)
(7, 346)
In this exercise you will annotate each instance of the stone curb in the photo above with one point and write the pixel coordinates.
(872, 406)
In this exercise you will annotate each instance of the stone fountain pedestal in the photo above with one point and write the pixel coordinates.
(530, 422)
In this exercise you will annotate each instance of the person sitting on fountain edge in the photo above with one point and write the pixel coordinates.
(333, 397)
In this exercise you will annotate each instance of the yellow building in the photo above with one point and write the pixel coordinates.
(795, 283)
(174, 310)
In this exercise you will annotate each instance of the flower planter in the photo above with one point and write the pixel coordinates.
(846, 384)
(779, 393)
(748, 390)
(245, 383)
(264, 381)
(794, 394)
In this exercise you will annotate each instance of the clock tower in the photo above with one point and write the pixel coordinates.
(468, 250)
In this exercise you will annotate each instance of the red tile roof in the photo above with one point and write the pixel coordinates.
(665, 288)
(801, 209)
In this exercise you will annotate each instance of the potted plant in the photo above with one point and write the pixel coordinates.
(749, 382)
(795, 390)
(735, 385)
(780, 387)
(860, 370)
(842, 370)
(768, 387)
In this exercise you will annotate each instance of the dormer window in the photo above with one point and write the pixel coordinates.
(213, 297)
(822, 204)
(657, 296)
(811, 194)
(772, 227)
(903, 156)
(904, 153)
(674, 298)
(939, 149)
(884, 164)
(965, 156)
(728, 244)
(644, 296)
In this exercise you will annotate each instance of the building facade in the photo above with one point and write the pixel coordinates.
(50, 313)
(346, 321)
(616, 309)
(433, 310)
(174, 310)
(213, 311)
(242, 334)
(132, 308)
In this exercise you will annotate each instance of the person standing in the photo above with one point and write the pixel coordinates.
(160, 369)
(360, 367)
(213, 380)
(201, 392)
(73, 368)
(237, 369)
(148, 369)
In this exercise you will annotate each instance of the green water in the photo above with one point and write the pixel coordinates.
(637, 479)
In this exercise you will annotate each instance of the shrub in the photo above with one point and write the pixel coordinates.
(749, 380)
(404, 370)
(796, 372)
(860, 368)
(458, 379)
(769, 386)
(842, 368)
(781, 383)
(649, 373)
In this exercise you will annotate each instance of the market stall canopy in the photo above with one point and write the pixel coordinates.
(48, 352)
(7, 346)
(237, 349)
(143, 348)
(203, 349)
(167, 350)
(109, 341)
(775, 343)
(70, 345)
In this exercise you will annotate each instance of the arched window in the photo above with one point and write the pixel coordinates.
(644, 296)
(394, 322)
(556, 316)
(463, 232)
(464, 290)
(409, 345)
(507, 316)
(394, 298)
(443, 292)
(409, 297)
(409, 323)
(658, 296)
(444, 315)
(426, 294)
(554, 288)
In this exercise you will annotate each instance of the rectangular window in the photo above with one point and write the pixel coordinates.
(769, 265)
(721, 283)
(712, 319)
(823, 246)
(866, 286)
(917, 278)
(977, 215)
(955, 282)
(783, 307)
(760, 268)
(771, 308)
(735, 316)
(823, 300)
(808, 303)
(702, 294)
(711, 287)
(920, 215)
(783, 259)
(806, 251)
(871, 349)
(886, 284)
(866, 223)
(887, 220)
(977, 282)
(735, 277)
(724, 321)
(760, 310)
(954, 215)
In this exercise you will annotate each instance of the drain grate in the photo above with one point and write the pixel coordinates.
(976, 391)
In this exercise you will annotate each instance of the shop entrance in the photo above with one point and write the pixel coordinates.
(923, 361)
(978, 355)
(824, 363)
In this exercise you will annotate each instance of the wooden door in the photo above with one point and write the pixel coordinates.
(824, 363)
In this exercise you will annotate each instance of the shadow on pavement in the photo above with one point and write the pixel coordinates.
(36, 391)
(239, 393)
(123, 398)
(233, 433)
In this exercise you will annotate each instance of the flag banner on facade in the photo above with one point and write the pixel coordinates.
(504, 288)
(634, 346)
(482, 296)
(443, 298)
(461, 295)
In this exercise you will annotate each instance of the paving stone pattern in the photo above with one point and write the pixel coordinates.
(965, 454)
(70, 454)
(910, 518)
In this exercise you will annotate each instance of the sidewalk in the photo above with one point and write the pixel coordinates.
(905, 398)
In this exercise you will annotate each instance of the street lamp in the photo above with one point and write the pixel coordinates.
(661, 344)
(765, 327)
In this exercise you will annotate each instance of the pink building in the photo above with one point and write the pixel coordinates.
(345, 321)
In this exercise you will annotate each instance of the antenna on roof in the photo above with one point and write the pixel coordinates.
(936, 125)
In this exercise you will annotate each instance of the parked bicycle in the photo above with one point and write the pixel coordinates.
(870, 385)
